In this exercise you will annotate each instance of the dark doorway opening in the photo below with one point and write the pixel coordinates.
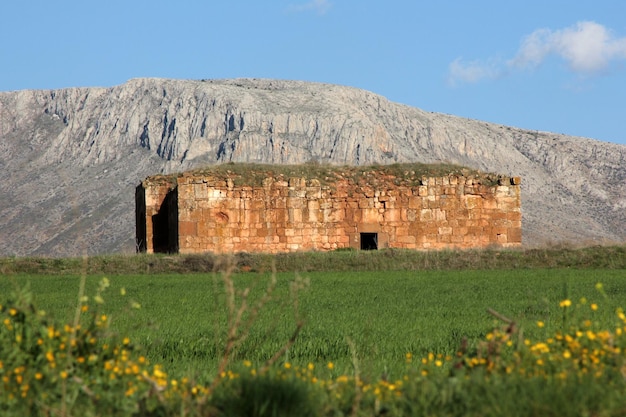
(369, 241)
(141, 244)
(165, 225)
(160, 230)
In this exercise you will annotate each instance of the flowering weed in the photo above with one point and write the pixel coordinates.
(569, 360)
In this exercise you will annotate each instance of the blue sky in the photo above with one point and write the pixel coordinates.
(557, 66)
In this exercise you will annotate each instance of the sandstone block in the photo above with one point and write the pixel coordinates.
(508, 204)
(295, 215)
(392, 215)
(336, 216)
(445, 230)
(408, 215)
(257, 204)
(406, 239)
(313, 216)
(472, 201)
(514, 235)
(459, 231)
(296, 203)
(370, 215)
(439, 214)
(187, 228)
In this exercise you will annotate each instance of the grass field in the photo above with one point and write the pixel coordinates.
(377, 316)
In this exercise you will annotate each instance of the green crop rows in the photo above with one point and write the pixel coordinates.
(375, 317)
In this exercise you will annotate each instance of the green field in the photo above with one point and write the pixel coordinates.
(377, 317)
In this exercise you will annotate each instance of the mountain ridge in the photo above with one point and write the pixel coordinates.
(75, 155)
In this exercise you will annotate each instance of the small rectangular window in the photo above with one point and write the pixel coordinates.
(369, 241)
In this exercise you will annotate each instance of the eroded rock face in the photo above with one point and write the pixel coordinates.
(73, 157)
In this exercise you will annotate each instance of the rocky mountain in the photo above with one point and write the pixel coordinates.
(71, 158)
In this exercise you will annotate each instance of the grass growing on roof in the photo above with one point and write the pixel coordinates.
(407, 174)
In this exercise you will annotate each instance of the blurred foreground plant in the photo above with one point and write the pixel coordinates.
(50, 368)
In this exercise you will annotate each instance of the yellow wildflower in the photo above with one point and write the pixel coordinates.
(342, 379)
(565, 303)
(158, 373)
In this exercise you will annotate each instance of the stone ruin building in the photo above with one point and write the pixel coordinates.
(262, 210)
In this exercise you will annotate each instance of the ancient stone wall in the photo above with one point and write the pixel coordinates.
(294, 214)
(157, 215)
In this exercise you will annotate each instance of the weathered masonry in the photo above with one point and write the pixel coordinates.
(203, 212)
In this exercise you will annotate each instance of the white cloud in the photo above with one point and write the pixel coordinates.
(318, 6)
(587, 47)
(471, 72)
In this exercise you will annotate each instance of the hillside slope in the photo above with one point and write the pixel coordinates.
(72, 157)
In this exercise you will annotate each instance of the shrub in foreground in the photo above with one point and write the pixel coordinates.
(49, 368)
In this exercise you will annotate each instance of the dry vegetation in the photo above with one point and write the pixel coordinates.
(600, 257)
(409, 174)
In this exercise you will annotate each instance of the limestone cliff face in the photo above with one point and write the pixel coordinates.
(72, 157)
